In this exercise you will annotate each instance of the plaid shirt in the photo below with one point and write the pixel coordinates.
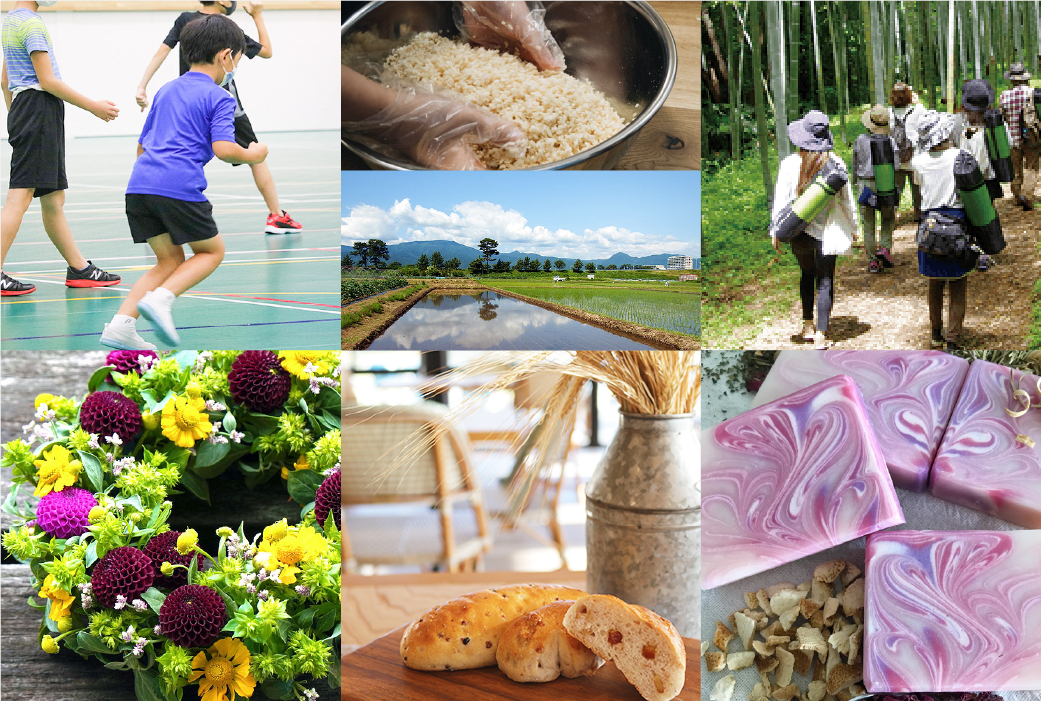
(1012, 103)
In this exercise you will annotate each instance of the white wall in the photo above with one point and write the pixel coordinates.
(104, 54)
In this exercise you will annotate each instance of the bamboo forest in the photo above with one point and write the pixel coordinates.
(845, 83)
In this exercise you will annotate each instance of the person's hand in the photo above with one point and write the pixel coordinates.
(257, 152)
(104, 110)
(142, 98)
(254, 8)
(511, 27)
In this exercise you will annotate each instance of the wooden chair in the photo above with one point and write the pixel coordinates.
(451, 532)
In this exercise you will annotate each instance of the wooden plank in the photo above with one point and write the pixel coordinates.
(166, 5)
(376, 672)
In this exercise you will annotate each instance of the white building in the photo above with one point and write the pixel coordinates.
(681, 263)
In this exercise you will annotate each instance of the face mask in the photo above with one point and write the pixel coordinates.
(227, 10)
(228, 75)
(46, 3)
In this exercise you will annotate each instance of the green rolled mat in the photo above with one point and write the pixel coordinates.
(984, 224)
(883, 163)
(997, 145)
(794, 218)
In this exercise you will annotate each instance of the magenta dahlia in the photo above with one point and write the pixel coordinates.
(123, 571)
(327, 499)
(163, 548)
(192, 616)
(105, 413)
(127, 360)
(64, 514)
(258, 380)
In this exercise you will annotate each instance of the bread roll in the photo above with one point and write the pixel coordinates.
(644, 646)
(464, 633)
(536, 648)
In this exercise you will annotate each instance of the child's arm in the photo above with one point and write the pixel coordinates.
(153, 66)
(6, 88)
(230, 152)
(102, 109)
(254, 9)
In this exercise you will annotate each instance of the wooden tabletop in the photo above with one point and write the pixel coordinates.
(376, 672)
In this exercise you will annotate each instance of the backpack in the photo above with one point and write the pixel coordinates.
(904, 146)
(1030, 122)
(942, 236)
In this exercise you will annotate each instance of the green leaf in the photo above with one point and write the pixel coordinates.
(91, 556)
(334, 673)
(196, 485)
(146, 686)
(193, 567)
(88, 643)
(178, 456)
(95, 475)
(260, 424)
(116, 665)
(208, 454)
(329, 419)
(334, 634)
(277, 689)
(186, 359)
(98, 377)
(303, 485)
(149, 398)
(229, 424)
(154, 598)
(158, 408)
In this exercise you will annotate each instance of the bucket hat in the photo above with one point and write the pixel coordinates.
(1017, 71)
(977, 95)
(812, 132)
(934, 128)
(876, 120)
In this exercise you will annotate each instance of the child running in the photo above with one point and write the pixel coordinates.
(278, 220)
(35, 96)
(879, 250)
(191, 121)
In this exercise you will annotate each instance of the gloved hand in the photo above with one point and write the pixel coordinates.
(510, 27)
(436, 129)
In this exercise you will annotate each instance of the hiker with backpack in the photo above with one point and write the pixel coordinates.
(1024, 130)
(977, 97)
(871, 199)
(904, 113)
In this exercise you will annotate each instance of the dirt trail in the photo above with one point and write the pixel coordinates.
(890, 310)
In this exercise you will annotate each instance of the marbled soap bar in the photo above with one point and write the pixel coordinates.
(953, 611)
(909, 397)
(980, 464)
(789, 479)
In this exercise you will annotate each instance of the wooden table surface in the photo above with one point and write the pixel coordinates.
(672, 139)
(376, 672)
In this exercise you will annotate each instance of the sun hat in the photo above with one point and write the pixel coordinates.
(876, 120)
(934, 128)
(977, 95)
(812, 132)
(1017, 71)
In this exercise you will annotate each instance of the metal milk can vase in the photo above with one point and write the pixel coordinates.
(643, 518)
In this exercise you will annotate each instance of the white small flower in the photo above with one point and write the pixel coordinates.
(251, 588)
(314, 386)
(84, 588)
(139, 604)
(310, 694)
(86, 600)
(274, 576)
(331, 470)
(303, 590)
(93, 442)
(158, 630)
(236, 436)
(121, 602)
(215, 427)
(28, 428)
(128, 634)
(44, 413)
(336, 371)
(263, 595)
(114, 439)
(145, 362)
(310, 369)
(139, 647)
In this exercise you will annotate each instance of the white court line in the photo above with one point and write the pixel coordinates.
(188, 295)
(309, 251)
(124, 238)
(144, 265)
(223, 206)
(113, 203)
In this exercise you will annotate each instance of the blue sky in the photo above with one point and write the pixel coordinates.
(588, 214)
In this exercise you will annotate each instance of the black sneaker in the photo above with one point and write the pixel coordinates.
(92, 276)
(937, 340)
(9, 287)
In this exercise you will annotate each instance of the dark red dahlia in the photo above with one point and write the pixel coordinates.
(192, 616)
(126, 571)
(64, 514)
(258, 380)
(126, 360)
(163, 548)
(328, 499)
(105, 413)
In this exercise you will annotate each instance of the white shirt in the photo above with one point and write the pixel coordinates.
(835, 226)
(977, 146)
(910, 126)
(934, 171)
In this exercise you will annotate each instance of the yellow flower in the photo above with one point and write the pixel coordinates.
(65, 624)
(49, 645)
(187, 541)
(167, 568)
(276, 531)
(296, 546)
(295, 361)
(223, 669)
(61, 600)
(43, 399)
(185, 419)
(96, 513)
(150, 420)
(300, 464)
(56, 471)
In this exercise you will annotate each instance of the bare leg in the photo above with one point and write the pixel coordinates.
(208, 255)
(956, 313)
(266, 184)
(15, 206)
(936, 287)
(57, 228)
(169, 257)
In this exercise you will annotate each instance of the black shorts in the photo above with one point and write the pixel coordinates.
(244, 135)
(155, 215)
(36, 130)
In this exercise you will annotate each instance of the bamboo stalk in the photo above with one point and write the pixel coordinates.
(951, 49)
(755, 19)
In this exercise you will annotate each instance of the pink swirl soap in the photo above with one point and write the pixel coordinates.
(789, 479)
(909, 397)
(953, 611)
(980, 464)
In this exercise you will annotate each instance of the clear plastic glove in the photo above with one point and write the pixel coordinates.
(511, 27)
(437, 130)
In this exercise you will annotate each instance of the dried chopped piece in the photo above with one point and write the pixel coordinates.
(759, 692)
(754, 615)
(831, 607)
(740, 660)
(821, 591)
(851, 573)
(751, 599)
(764, 602)
(788, 617)
(811, 639)
(774, 588)
(841, 676)
(803, 660)
(832, 662)
(808, 607)
(774, 628)
(840, 638)
(766, 664)
(723, 636)
(723, 689)
(828, 571)
(762, 648)
(715, 661)
(817, 620)
(745, 630)
(775, 640)
(787, 693)
(853, 597)
(786, 663)
(805, 586)
(817, 690)
(854, 644)
(786, 599)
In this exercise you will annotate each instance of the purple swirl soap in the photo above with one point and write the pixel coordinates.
(909, 397)
(980, 464)
(789, 479)
(953, 611)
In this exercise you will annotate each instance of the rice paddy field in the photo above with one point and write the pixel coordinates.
(676, 308)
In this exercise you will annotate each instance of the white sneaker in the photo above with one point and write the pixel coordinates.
(157, 310)
(125, 338)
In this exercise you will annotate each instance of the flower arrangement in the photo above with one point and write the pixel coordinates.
(259, 613)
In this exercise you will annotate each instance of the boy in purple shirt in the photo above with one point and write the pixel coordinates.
(191, 121)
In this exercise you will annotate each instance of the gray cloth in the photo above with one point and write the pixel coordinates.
(922, 511)
(862, 169)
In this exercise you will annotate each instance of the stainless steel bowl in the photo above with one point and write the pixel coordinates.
(625, 49)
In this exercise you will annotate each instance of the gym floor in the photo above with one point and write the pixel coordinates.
(271, 291)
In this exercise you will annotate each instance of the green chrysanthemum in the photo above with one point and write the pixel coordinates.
(309, 656)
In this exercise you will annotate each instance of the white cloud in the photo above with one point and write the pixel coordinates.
(471, 221)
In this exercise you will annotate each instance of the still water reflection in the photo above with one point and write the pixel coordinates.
(490, 321)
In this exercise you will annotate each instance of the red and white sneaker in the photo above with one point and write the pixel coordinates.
(282, 224)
